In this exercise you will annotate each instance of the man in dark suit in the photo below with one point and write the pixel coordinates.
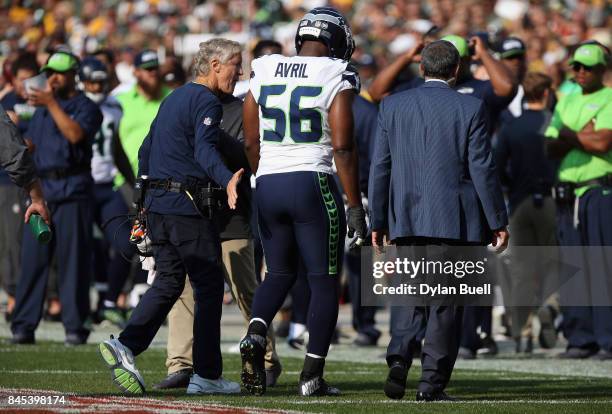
(433, 181)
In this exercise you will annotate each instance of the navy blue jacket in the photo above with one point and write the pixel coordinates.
(433, 173)
(182, 145)
(365, 114)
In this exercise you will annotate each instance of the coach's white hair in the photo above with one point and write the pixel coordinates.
(218, 48)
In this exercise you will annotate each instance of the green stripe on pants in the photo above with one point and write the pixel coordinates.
(334, 222)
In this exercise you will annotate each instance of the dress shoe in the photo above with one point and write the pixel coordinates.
(365, 340)
(434, 396)
(577, 353)
(395, 385)
(23, 338)
(178, 379)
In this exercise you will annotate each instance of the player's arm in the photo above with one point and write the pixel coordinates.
(347, 160)
(343, 144)
(383, 82)
(250, 125)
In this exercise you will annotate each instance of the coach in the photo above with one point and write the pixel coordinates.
(433, 181)
(180, 157)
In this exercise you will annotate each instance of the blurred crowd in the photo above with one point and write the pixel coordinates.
(382, 28)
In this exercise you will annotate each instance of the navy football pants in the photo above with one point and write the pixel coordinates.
(301, 216)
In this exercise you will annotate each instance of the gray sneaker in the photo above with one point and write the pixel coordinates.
(199, 385)
(120, 360)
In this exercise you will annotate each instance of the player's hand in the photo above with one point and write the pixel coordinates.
(356, 223)
(232, 188)
(479, 46)
(357, 226)
(500, 240)
(41, 97)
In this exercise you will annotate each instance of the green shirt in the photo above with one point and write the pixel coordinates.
(575, 111)
(138, 114)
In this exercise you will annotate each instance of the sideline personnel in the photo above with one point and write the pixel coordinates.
(580, 134)
(62, 131)
(431, 187)
(180, 156)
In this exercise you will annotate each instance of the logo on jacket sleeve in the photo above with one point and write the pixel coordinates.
(207, 121)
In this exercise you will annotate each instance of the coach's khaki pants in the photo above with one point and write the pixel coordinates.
(239, 270)
(529, 226)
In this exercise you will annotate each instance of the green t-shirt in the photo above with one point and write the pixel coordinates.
(568, 87)
(575, 111)
(138, 114)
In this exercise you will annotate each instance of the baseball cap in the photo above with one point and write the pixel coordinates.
(146, 59)
(512, 46)
(366, 60)
(589, 55)
(460, 44)
(61, 62)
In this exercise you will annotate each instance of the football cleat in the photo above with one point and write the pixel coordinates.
(252, 351)
(317, 387)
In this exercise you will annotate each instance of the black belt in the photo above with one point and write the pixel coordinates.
(563, 192)
(166, 185)
(61, 173)
(604, 181)
(205, 197)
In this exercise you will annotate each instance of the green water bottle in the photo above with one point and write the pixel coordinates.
(41, 230)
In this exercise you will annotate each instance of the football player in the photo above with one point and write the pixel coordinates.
(109, 205)
(297, 118)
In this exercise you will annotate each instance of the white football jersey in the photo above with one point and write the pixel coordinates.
(294, 96)
(103, 169)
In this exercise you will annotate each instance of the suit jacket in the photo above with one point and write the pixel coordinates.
(433, 172)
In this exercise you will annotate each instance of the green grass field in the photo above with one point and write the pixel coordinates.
(53, 367)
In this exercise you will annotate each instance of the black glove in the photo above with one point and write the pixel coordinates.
(356, 222)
